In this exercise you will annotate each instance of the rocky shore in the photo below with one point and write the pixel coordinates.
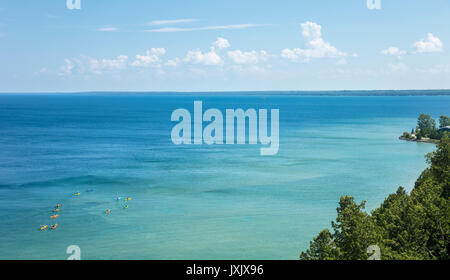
(423, 140)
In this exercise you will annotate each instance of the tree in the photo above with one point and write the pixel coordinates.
(354, 230)
(444, 121)
(391, 217)
(440, 164)
(406, 135)
(321, 248)
(426, 125)
(428, 220)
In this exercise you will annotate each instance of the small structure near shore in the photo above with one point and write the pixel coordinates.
(444, 129)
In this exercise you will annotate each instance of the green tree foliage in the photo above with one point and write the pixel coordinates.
(406, 135)
(444, 121)
(354, 230)
(321, 248)
(405, 226)
(439, 162)
(426, 125)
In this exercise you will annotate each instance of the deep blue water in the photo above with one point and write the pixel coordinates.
(197, 201)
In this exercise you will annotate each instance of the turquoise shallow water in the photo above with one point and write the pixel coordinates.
(193, 202)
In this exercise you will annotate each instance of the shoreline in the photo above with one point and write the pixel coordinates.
(405, 92)
(430, 141)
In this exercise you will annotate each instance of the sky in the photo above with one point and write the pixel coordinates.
(209, 45)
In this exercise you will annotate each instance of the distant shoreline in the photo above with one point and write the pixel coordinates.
(434, 92)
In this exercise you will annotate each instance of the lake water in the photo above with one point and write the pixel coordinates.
(194, 201)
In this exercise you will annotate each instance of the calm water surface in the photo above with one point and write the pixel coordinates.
(193, 202)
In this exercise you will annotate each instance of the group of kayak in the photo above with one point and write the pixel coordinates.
(56, 210)
(58, 207)
(118, 198)
(55, 225)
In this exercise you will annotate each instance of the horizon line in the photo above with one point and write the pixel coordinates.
(416, 92)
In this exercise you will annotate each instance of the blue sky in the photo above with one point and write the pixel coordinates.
(203, 45)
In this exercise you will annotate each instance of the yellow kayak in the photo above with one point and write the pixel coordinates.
(44, 227)
(128, 199)
(77, 194)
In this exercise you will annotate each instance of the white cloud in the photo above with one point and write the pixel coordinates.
(316, 46)
(97, 66)
(172, 21)
(67, 68)
(215, 27)
(88, 65)
(430, 44)
(393, 51)
(251, 57)
(208, 58)
(173, 62)
(108, 29)
(151, 58)
(221, 43)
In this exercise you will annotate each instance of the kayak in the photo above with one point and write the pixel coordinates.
(54, 226)
(54, 216)
(77, 194)
(44, 227)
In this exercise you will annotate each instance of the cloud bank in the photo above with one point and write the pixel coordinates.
(429, 45)
(316, 47)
